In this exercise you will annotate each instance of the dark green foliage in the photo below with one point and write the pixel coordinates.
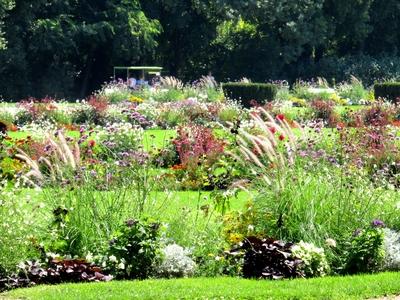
(388, 90)
(247, 92)
(365, 252)
(5, 5)
(136, 243)
(67, 48)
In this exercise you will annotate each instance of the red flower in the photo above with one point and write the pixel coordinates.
(340, 125)
(177, 167)
(280, 117)
(281, 137)
(91, 143)
(273, 130)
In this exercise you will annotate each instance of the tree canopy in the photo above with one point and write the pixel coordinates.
(67, 48)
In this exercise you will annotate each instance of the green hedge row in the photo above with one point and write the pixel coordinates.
(388, 90)
(246, 92)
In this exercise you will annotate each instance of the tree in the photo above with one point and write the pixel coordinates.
(188, 27)
(385, 28)
(68, 47)
(5, 5)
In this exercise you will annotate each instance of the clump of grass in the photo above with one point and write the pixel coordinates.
(309, 198)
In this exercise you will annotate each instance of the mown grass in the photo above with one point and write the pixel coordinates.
(350, 287)
(153, 138)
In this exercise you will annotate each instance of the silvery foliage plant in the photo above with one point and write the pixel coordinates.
(392, 249)
(176, 262)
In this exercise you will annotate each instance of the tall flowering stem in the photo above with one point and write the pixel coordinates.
(271, 145)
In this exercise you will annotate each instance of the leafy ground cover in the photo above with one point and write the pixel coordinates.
(350, 287)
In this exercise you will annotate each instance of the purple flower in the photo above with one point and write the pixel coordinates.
(357, 232)
(303, 153)
(109, 177)
(130, 223)
(377, 223)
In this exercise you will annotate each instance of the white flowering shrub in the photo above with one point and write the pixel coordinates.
(39, 129)
(149, 109)
(176, 262)
(120, 137)
(314, 260)
(115, 91)
(18, 230)
(391, 245)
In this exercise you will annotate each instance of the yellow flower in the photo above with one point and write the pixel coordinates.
(135, 99)
(235, 238)
(298, 101)
(335, 98)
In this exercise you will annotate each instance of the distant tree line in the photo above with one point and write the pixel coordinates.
(67, 48)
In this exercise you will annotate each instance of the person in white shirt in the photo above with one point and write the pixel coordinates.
(132, 82)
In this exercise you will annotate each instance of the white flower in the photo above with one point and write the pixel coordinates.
(330, 243)
(112, 258)
(121, 266)
(21, 265)
(89, 257)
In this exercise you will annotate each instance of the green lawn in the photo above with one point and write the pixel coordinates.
(152, 138)
(351, 287)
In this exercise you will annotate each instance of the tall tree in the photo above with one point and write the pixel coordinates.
(385, 28)
(5, 5)
(188, 28)
(65, 47)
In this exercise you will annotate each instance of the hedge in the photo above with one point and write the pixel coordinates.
(247, 92)
(388, 90)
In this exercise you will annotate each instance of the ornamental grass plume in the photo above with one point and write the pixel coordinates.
(272, 145)
(171, 82)
(59, 158)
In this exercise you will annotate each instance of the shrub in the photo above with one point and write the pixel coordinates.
(287, 206)
(314, 260)
(176, 262)
(353, 91)
(246, 92)
(392, 249)
(388, 90)
(269, 259)
(132, 252)
(170, 118)
(365, 252)
(195, 142)
(229, 114)
(17, 230)
(56, 271)
(168, 95)
(378, 115)
(118, 139)
(324, 110)
(115, 91)
(373, 148)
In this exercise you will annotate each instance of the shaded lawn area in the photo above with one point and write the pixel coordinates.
(350, 287)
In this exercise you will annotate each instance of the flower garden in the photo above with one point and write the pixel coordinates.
(282, 183)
